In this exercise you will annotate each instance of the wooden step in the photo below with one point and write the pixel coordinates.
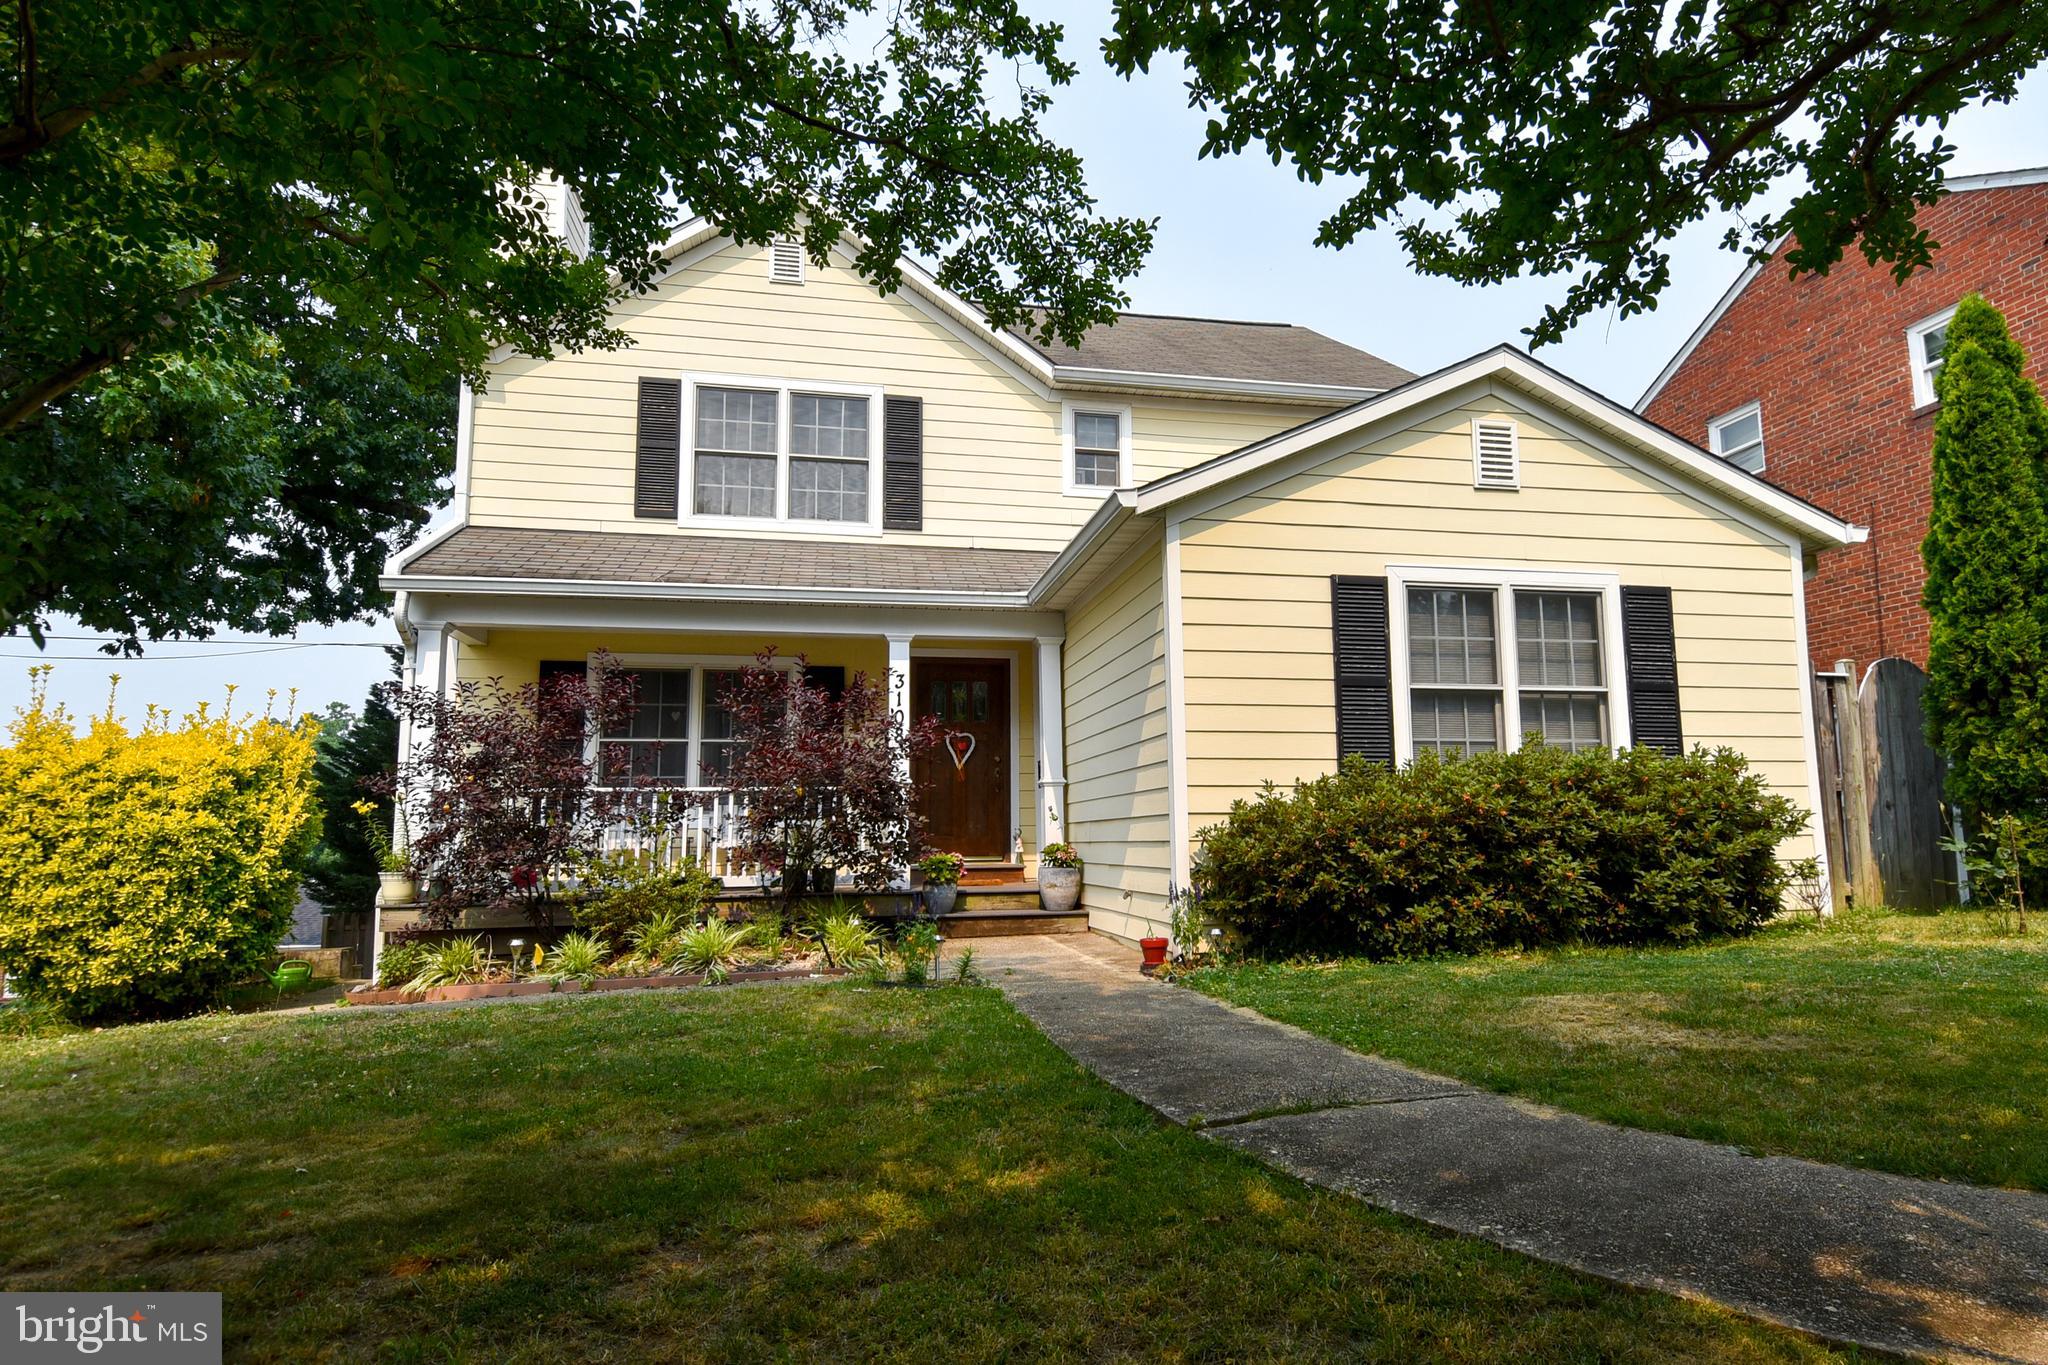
(991, 874)
(979, 923)
(1014, 896)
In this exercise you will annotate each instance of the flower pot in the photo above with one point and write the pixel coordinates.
(939, 899)
(1059, 888)
(1154, 950)
(824, 880)
(397, 888)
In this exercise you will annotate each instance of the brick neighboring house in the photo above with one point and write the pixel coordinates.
(1822, 385)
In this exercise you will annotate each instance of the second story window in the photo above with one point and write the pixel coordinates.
(735, 453)
(1925, 342)
(782, 455)
(1098, 450)
(1738, 437)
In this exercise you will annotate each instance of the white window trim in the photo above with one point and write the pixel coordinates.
(1752, 409)
(1923, 376)
(1068, 410)
(696, 665)
(1402, 577)
(686, 502)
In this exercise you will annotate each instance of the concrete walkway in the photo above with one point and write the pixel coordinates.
(1904, 1265)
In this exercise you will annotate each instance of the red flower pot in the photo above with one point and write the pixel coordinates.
(1154, 950)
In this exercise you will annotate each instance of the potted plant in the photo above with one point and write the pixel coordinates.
(396, 882)
(1059, 878)
(941, 874)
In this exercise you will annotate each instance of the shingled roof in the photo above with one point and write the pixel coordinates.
(1214, 348)
(505, 552)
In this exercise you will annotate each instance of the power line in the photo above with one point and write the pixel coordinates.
(166, 658)
(262, 646)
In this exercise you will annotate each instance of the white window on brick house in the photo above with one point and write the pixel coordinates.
(1738, 437)
(1925, 341)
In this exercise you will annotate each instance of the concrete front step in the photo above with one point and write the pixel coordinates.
(977, 922)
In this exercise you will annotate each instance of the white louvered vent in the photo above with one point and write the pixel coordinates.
(786, 262)
(1496, 455)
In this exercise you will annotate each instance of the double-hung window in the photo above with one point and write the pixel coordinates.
(1489, 661)
(678, 733)
(784, 454)
(1925, 342)
(1098, 450)
(1738, 437)
(736, 453)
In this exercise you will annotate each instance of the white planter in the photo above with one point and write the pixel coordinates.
(1059, 888)
(397, 888)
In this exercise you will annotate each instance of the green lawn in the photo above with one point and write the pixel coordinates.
(809, 1172)
(1910, 1043)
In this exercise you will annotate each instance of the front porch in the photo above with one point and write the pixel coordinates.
(993, 790)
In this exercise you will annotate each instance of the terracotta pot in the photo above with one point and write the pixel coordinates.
(939, 899)
(1059, 888)
(1154, 950)
(397, 888)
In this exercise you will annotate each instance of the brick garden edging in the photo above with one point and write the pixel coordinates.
(494, 990)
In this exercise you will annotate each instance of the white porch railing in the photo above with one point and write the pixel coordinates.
(669, 824)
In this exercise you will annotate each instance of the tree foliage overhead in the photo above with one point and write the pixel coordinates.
(1986, 554)
(1577, 136)
(198, 200)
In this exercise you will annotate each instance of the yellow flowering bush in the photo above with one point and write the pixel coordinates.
(143, 873)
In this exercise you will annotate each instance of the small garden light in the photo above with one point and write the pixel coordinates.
(517, 944)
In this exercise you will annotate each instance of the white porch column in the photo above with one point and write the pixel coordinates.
(899, 711)
(1052, 743)
(425, 666)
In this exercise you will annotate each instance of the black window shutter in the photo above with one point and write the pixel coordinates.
(827, 678)
(1365, 678)
(902, 463)
(658, 448)
(1651, 645)
(561, 668)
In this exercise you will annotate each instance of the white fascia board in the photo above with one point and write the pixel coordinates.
(1116, 509)
(557, 611)
(1078, 376)
(1997, 180)
(702, 592)
(1782, 510)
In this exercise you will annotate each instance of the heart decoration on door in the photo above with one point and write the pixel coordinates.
(960, 745)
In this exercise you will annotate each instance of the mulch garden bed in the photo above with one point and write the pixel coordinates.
(492, 990)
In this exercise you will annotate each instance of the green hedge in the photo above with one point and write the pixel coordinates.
(1513, 849)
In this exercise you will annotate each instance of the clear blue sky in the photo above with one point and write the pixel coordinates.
(1234, 240)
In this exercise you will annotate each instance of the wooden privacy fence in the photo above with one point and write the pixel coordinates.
(1881, 788)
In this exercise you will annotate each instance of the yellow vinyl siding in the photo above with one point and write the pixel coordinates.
(1255, 590)
(515, 656)
(1117, 746)
(553, 439)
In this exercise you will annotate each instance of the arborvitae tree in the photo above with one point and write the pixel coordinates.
(341, 873)
(1986, 554)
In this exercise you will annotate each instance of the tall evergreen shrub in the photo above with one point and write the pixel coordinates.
(1986, 555)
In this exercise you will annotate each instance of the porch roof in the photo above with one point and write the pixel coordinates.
(507, 553)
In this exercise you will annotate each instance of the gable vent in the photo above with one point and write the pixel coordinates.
(1496, 455)
(786, 262)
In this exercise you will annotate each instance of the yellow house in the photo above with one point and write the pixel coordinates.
(1134, 580)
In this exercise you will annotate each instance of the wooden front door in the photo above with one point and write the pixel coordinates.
(966, 778)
